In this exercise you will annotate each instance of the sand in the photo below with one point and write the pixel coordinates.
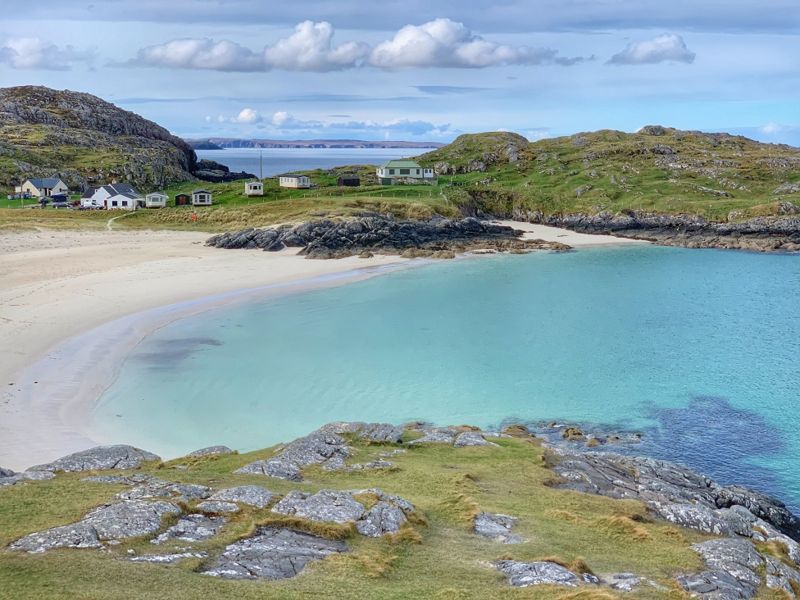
(72, 304)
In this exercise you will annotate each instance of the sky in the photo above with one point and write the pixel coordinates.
(418, 69)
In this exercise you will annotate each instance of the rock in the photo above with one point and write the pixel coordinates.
(329, 506)
(581, 190)
(401, 503)
(623, 582)
(782, 577)
(134, 479)
(191, 528)
(217, 507)
(522, 574)
(167, 559)
(381, 519)
(6, 473)
(326, 449)
(273, 553)
(16, 478)
(734, 566)
(714, 585)
(158, 488)
(787, 188)
(496, 527)
(133, 518)
(101, 458)
(377, 464)
(471, 438)
(436, 436)
(211, 451)
(251, 495)
(370, 432)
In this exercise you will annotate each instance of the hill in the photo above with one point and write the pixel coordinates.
(216, 143)
(85, 140)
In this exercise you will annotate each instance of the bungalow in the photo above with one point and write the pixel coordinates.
(404, 171)
(42, 188)
(201, 198)
(155, 200)
(348, 181)
(116, 196)
(183, 199)
(253, 188)
(292, 180)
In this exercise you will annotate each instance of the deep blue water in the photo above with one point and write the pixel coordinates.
(286, 160)
(698, 348)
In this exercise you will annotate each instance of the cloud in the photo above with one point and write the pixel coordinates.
(438, 43)
(442, 90)
(35, 53)
(446, 43)
(248, 116)
(668, 47)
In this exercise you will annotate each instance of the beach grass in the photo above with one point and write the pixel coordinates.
(435, 556)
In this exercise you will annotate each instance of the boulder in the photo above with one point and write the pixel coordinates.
(211, 451)
(158, 488)
(436, 436)
(16, 478)
(251, 495)
(320, 448)
(734, 567)
(218, 507)
(522, 574)
(191, 528)
(381, 519)
(101, 458)
(623, 582)
(273, 553)
(496, 527)
(471, 438)
(329, 506)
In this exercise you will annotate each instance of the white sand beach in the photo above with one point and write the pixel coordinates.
(72, 299)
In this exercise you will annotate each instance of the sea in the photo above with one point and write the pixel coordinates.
(274, 161)
(697, 349)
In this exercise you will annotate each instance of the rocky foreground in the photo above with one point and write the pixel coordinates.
(747, 542)
(374, 233)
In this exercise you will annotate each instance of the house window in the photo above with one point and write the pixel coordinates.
(124, 203)
(113, 203)
(391, 171)
(405, 171)
(417, 171)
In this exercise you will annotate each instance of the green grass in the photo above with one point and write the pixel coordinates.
(437, 557)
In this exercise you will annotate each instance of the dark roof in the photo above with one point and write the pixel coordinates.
(44, 182)
(122, 189)
(89, 192)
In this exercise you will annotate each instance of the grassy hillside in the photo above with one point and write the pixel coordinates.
(437, 557)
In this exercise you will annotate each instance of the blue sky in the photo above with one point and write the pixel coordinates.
(419, 70)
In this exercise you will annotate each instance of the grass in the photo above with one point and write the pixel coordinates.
(435, 556)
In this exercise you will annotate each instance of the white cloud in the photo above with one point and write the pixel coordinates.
(772, 128)
(668, 47)
(248, 116)
(35, 53)
(438, 43)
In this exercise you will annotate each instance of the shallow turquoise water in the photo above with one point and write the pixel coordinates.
(697, 347)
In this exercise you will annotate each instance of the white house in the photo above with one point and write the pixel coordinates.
(291, 180)
(397, 171)
(253, 188)
(42, 188)
(155, 200)
(115, 196)
(201, 198)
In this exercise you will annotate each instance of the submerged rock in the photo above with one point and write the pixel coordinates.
(496, 527)
(325, 506)
(101, 458)
(522, 574)
(273, 553)
(251, 495)
(191, 528)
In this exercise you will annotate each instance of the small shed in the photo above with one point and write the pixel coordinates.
(253, 188)
(201, 198)
(348, 181)
(155, 200)
(293, 180)
(183, 200)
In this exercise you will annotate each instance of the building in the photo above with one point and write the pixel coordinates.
(404, 171)
(156, 200)
(115, 196)
(253, 188)
(183, 199)
(201, 198)
(42, 188)
(292, 180)
(348, 181)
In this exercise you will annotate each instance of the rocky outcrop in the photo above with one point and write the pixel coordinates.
(496, 527)
(522, 574)
(209, 170)
(191, 528)
(101, 458)
(250, 495)
(327, 506)
(211, 451)
(328, 238)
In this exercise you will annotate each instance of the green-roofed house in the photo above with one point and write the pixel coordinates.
(404, 171)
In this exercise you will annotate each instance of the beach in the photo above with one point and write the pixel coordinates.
(73, 303)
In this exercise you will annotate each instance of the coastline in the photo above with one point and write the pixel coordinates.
(67, 336)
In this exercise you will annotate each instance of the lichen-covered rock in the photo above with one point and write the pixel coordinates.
(406, 506)
(16, 478)
(320, 448)
(158, 488)
(218, 507)
(522, 574)
(381, 519)
(251, 495)
(211, 451)
(273, 553)
(436, 435)
(167, 559)
(471, 438)
(623, 582)
(325, 506)
(496, 527)
(6, 473)
(370, 432)
(101, 458)
(715, 585)
(734, 567)
(191, 528)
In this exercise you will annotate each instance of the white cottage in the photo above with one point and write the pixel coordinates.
(292, 180)
(155, 200)
(116, 196)
(201, 198)
(42, 187)
(405, 171)
(253, 188)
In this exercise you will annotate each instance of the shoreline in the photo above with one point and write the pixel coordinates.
(45, 410)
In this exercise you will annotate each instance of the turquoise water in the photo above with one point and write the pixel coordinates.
(699, 348)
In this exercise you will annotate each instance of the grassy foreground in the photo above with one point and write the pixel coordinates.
(437, 557)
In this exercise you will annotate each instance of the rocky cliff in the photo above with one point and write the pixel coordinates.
(85, 140)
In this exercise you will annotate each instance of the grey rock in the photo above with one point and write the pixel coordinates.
(273, 553)
(781, 576)
(134, 479)
(16, 478)
(326, 506)
(217, 507)
(471, 438)
(496, 527)
(158, 488)
(370, 432)
(522, 574)
(737, 557)
(101, 458)
(436, 436)
(191, 528)
(211, 451)
(404, 505)
(381, 519)
(378, 464)
(6, 473)
(715, 585)
(77, 535)
(167, 559)
(251, 495)
(623, 582)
